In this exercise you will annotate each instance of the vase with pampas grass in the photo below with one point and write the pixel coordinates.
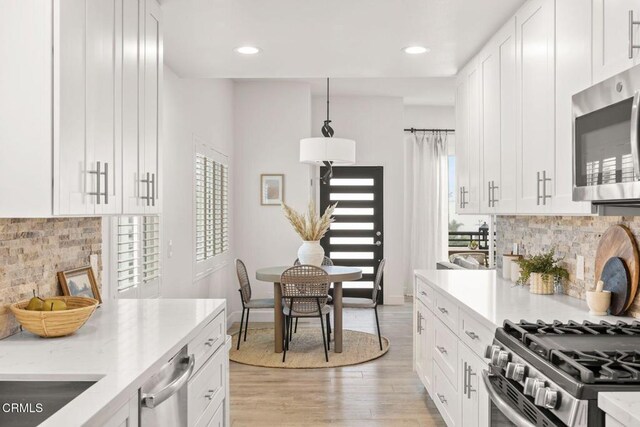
(311, 228)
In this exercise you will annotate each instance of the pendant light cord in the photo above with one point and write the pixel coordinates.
(327, 130)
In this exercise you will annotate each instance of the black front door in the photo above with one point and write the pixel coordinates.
(356, 238)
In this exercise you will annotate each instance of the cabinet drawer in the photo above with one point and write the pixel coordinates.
(445, 397)
(474, 334)
(424, 293)
(208, 340)
(213, 416)
(445, 351)
(446, 310)
(206, 389)
(218, 417)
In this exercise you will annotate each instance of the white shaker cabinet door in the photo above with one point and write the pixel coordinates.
(573, 74)
(474, 401)
(473, 140)
(133, 189)
(489, 126)
(86, 142)
(505, 195)
(103, 104)
(152, 113)
(536, 116)
(611, 37)
(462, 137)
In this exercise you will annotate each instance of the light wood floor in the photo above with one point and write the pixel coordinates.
(384, 392)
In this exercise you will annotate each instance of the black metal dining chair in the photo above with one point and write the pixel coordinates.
(369, 302)
(305, 289)
(248, 302)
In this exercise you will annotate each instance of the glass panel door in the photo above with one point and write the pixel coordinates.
(356, 238)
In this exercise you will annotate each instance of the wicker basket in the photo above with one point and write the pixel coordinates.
(540, 284)
(55, 323)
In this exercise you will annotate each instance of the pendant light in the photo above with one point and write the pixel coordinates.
(327, 150)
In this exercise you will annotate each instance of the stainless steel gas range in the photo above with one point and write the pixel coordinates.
(550, 374)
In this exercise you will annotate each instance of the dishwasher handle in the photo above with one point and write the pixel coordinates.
(154, 399)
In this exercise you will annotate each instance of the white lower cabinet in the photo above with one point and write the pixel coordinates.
(446, 397)
(424, 343)
(474, 401)
(448, 358)
(208, 385)
(126, 416)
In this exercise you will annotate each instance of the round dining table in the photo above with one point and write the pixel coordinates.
(337, 275)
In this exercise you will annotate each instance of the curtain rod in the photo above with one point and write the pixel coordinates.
(413, 130)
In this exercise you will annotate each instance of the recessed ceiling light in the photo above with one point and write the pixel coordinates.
(415, 50)
(247, 50)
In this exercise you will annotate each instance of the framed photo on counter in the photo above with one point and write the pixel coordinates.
(80, 282)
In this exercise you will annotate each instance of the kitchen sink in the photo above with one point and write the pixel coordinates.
(29, 403)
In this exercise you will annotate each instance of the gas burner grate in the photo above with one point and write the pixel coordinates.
(603, 367)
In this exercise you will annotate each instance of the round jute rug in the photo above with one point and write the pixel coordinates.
(305, 350)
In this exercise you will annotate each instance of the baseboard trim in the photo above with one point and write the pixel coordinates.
(256, 315)
(394, 299)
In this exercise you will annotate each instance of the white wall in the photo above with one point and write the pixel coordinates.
(426, 116)
(202, 108)
(270, 119)
(375, 123)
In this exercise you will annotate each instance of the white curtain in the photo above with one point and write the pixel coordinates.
(426, 202)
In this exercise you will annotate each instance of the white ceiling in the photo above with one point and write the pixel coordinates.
(413, 91)
(319, 38)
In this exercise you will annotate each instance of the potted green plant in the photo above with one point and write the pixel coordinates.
(541, 271)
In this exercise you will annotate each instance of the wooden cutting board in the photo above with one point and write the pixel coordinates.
(618, 241)
(616, 280)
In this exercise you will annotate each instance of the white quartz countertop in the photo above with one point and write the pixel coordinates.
(492, 300)
(122, 345)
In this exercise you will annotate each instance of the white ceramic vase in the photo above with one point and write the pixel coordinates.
(311, 253)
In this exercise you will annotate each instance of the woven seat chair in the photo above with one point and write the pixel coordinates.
(305, 289)
(369, 302)
(325, 262)
(247, 301)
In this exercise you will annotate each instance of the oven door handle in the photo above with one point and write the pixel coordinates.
(509, 411)
(635, 150)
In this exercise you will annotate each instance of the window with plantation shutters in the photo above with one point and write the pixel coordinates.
(137, 251)
(212, 207)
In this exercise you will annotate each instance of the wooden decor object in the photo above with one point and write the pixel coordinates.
(616, 280)
(55, 323)
(618, 241)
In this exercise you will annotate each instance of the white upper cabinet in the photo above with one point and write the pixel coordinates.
(84, 83)
(498, 129)
(611, 37)
(573, 74)
(25, 109)
(142, 81)
(462, 125)
(87, 149)
(468, 139)
(535, 67)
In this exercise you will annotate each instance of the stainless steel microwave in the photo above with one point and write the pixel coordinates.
(606, 162)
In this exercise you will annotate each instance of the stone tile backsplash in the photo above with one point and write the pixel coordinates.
(33, 250)
(570, 235)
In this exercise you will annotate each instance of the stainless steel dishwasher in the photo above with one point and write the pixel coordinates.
(163, 398)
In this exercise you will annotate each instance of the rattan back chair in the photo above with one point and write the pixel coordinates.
(246, 298)
(326, 261)
(305, 290)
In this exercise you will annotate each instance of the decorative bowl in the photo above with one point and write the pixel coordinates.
(50, 324)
